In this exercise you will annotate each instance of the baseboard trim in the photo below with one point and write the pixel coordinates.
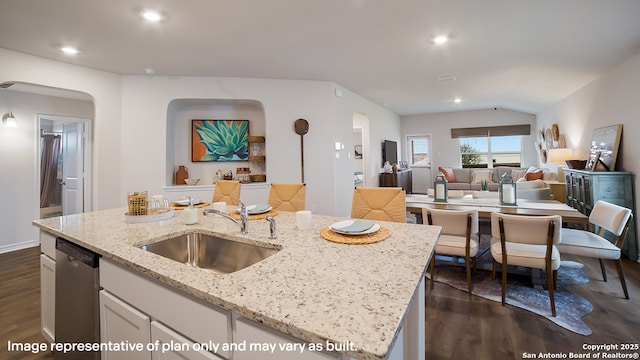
(18, 246)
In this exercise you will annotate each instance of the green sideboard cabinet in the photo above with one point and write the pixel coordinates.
(584, 188)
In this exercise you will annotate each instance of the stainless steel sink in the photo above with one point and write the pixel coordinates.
(209, 252)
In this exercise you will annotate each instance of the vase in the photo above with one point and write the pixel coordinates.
(181, 174)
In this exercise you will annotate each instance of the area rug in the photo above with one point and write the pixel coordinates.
(570, 308)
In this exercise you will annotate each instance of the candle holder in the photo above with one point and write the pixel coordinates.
(507, 190)
(440, 190)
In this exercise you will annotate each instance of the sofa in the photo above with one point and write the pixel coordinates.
(530, 180)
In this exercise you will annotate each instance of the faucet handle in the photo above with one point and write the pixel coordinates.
(272, 227)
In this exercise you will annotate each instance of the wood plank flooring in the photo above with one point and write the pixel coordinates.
(457, 326)
(20, 302)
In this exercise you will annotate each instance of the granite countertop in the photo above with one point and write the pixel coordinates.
(312, 289)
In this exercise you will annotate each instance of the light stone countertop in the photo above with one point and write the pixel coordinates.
(312, 289)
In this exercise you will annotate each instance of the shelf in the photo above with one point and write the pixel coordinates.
(260, 158)
(256, 139)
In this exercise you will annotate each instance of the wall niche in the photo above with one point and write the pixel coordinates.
(180, 112)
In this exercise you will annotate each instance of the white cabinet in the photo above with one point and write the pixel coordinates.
(47, 297)
(120, 322)
(248, 332)
(173, 346)
(47, 285)
(195, 320)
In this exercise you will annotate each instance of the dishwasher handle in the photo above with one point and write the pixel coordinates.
(77, 253)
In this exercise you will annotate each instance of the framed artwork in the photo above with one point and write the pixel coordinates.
(219, 140)
(604, 148)
(358, 151)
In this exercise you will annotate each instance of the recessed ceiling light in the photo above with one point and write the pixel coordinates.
(151, 15)
(457, 100)
(440, 39)
(69, 50)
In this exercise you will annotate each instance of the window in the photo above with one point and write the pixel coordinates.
(418, 148)
(488, 151)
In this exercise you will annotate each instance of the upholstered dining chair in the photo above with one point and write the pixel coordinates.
(379, 203)
(527, 241)
(227, 191)
(459, 237)
(607, 217)
(287, 196)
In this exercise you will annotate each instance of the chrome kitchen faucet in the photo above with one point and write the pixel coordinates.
(244, 217)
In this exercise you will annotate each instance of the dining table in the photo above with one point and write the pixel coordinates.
(488, 205)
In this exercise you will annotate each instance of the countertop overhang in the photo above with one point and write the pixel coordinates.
(312, 289)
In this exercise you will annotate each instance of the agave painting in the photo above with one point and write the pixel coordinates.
(220, 140)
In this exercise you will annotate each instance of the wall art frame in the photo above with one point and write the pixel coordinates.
(219, 140)
(603, 152)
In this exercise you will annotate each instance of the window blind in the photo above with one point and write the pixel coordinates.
(483, 131)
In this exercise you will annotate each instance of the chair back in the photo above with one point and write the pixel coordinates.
(379, 203)
(287, 196)
(611, 217)
(227, 191)
(526, 229)
(453, 222)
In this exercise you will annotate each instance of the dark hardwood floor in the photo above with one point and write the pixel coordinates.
(457, 326)
(463, 327)
(20, 302)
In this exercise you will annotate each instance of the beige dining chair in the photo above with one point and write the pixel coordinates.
(227, 191)
(527, 241)
(459, 237)
(287, 196)
(379, 203)
(608, 218)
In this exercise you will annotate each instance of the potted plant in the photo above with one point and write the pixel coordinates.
(484, 185)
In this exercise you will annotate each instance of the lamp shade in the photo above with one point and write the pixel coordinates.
(560, 155)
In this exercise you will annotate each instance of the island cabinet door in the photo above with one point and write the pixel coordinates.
(255, 340)
(47, 296)
(169, 345)
(120, 323)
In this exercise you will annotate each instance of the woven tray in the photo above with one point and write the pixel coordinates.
(375, 237)
(271, 212)
(180, 207)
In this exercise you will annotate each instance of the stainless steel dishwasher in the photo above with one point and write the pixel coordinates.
(77, 316)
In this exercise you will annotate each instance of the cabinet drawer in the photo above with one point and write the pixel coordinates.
(189, 316)
(185, 349)
(48, 244)
(251, 332)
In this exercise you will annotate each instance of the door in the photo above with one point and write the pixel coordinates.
(419, 158)
(73, 169)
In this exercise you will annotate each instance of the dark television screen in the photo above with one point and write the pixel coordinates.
(390, 152)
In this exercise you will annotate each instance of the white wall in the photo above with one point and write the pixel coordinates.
(446, 151)
(104, 88)
(609, 100)
(19, 162)
(383, 124)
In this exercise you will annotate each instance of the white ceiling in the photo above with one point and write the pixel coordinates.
(515, 54)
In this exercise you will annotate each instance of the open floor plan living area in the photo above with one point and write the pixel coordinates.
(342, 179)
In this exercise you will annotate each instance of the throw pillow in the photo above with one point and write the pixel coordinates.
(517, 174)
(448, 173)
(479, 175)
(533, 173)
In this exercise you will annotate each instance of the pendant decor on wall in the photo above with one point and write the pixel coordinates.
(551, 138)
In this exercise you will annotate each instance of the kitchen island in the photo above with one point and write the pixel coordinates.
(364, 301)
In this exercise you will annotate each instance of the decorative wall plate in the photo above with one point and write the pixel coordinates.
(548, 137)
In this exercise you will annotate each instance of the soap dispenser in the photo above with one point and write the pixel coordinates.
(190, 214)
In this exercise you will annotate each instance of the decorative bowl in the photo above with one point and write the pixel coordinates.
(576, 164)
(193, 181)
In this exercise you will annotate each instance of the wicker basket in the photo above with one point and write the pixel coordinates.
(137, 203)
